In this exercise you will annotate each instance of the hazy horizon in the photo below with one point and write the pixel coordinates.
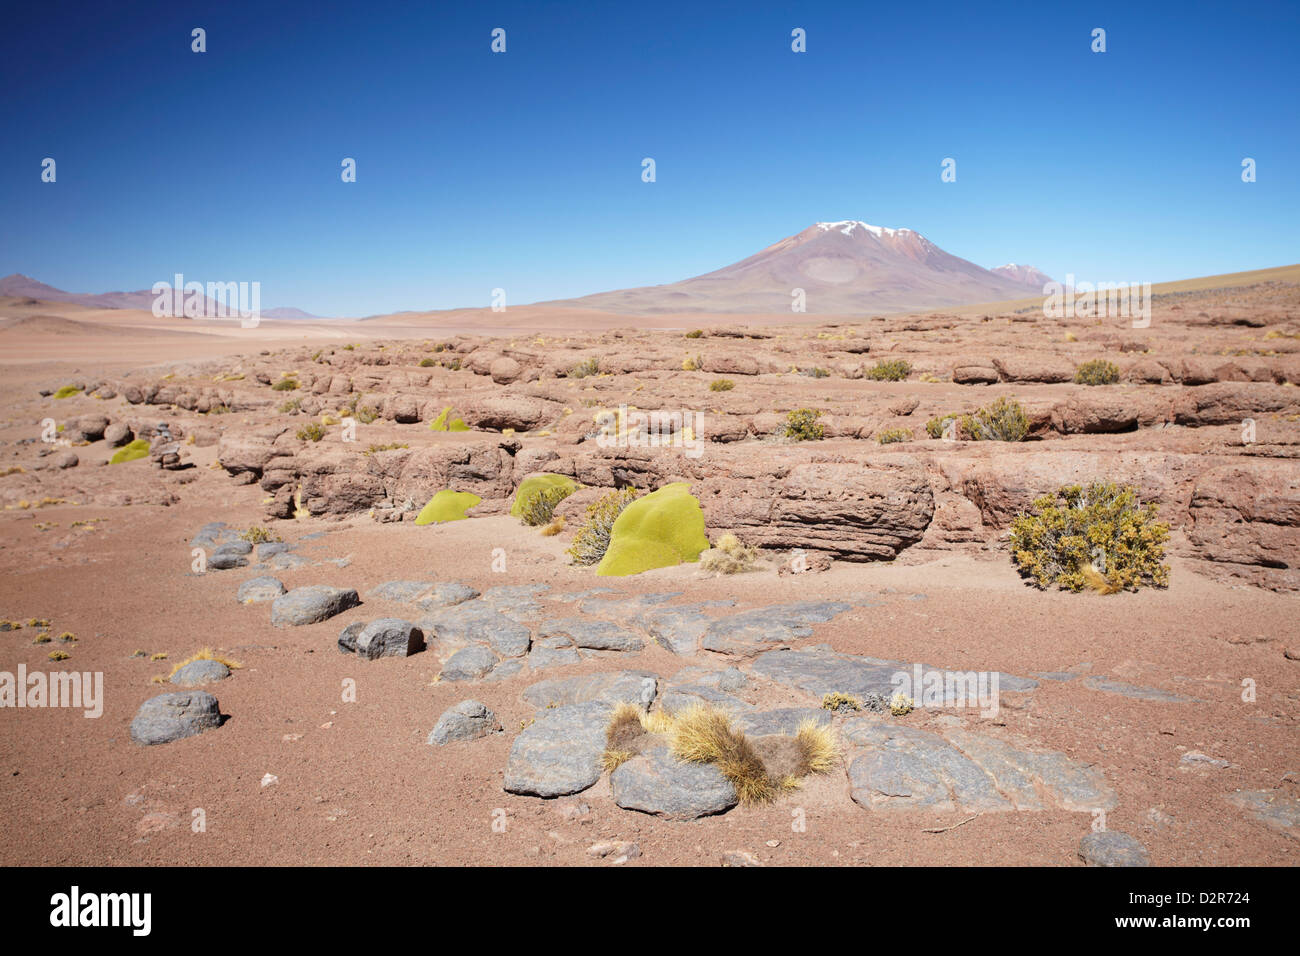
(522, 170)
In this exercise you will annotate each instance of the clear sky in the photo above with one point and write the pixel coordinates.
(522, 170)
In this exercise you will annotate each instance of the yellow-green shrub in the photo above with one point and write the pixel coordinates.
(1099, 537)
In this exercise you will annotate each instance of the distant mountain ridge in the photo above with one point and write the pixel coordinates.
(844, 267)
(26, 287)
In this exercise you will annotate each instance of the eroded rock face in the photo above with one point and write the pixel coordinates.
(1246, 521)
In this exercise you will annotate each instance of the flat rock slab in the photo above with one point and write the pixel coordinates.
(469, 663)
(678, 697)
(213, 535)
(656, 782)
(515, 600)
(678, 629)
(1112, 848)
(169, 717)
(196, 673)
(784, 720)
(907, 768)
(1274, 809)
(468, 720)
(728, 679)
(476, 622)
(593, 635)
(1109, 686)
(311, 604)
(608, 688)
(559, 753)
(820, 671)
(448, 594)
(540, 658)
(752, 632)
(260, 589)
(226, 561)
(400, 590)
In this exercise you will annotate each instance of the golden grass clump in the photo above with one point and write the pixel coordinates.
(729, 555)
(206, 654)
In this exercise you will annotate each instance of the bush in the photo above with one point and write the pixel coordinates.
(1097, 372)
(291, 406)
(1100, 537)
(935, 426)
(259, 535)
(585, 368)
(286, 384)
(692, 363)
(592, 539)
(695, 334)
(729, 556)
(891, 436)
(664, 528)
(67, 391)
(802, 425)
(890, 370)
(428, 362)
(136, 449)
(447, 505)
(817, 372)
(721, 385)
(312, 431)
(448, 422)
(1004, 420)
(537, 497)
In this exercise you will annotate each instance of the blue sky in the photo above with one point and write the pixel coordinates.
(522, 170)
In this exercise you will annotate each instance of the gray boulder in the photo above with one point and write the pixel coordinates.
(560, 753)
(200, 672)
(656, 782)
(256, 590)
(468, 720)
(389, 637)
(1112, 848)
(311, 604)
(400, 590)
(478, 623)
(169, 717)
(448, 594)
(469, 663)
(593, 635)
(609, 688)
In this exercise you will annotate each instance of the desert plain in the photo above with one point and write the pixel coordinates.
(1157, 725)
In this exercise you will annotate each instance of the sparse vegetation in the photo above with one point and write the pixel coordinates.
(695, 334)
(130, 452)
(586, 368)
(890, 370)
(259, 535)
(391, 446)
(1097, 372)
(292, 406)
(206, 654)
(312, 431)
(427, 362)
(592, 540)
(891, 436)
(817, 372)
(692, 363)
(286, 384)
(802, 425)
(1099, 537)
(729, 555)
(538, 508)
(760, 769)
(721, 385)
(67, 391)
(59, 655)
(1004, 420)
(838, 703)
(447, 421)
(900, 704)
(554, 527)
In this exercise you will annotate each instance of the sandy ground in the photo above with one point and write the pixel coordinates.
(358, 784)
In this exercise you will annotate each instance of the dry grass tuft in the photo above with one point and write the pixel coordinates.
(206, 654)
